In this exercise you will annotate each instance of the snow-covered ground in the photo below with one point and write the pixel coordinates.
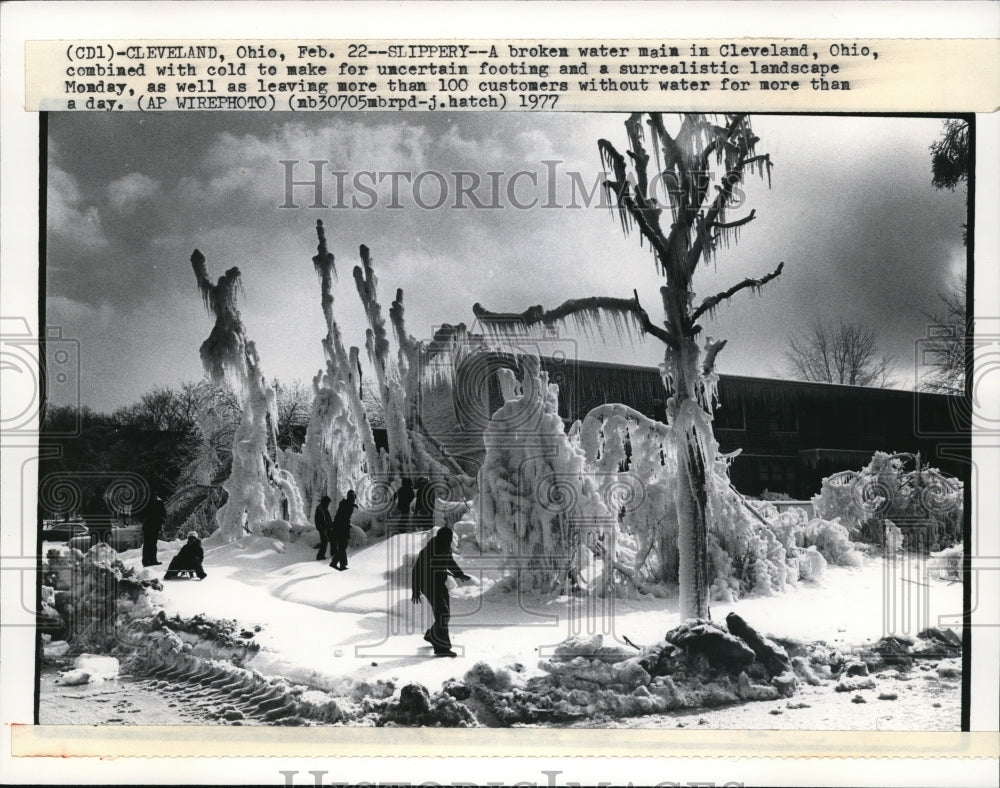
(330, 629)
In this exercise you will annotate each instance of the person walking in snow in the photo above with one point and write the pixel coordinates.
(341, 531)
(324, 524)
(188, 559)
(430, 577)
(423, 505)
(404, 499)
(152, 521)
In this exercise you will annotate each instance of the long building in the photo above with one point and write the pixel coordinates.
(791, 434)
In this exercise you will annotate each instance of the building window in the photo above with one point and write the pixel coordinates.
(781, 417)
(729, 416)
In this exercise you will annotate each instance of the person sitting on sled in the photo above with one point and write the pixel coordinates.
(430, 576)
(188, 559)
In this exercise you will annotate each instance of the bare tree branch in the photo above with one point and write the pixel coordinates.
(950, 155)
(629, 209)
(713, 301)
(586, 312)
(716, 211)
(711, 351)
(722, 135)
(738, 223)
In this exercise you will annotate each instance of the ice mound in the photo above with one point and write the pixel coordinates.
(90, 668)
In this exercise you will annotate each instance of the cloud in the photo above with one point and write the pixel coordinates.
(249, 166)
(851, 212)
(74, 227)
(125, 192)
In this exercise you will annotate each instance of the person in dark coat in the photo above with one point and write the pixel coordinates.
(423, 505)
(188, 559)
(430, 575)
(152, 521)
(404, 499)
(324, 524)
(341, 531)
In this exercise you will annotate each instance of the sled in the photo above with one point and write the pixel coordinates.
(183, 574)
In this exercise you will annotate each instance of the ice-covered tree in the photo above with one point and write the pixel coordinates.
(377, 345)
(613, 436)
(339, 446)
(536, 501)
(689, 234)
(339, 450)
(257, 486)
(413, 450)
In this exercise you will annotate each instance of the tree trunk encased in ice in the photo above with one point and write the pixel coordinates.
(697, 223)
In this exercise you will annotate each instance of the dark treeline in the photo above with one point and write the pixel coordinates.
(173, 442)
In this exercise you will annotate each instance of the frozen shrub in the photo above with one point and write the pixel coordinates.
(929, 503)
(358, 537)
(811, 563)
(837, 501)
(483, 674)
(831, 540)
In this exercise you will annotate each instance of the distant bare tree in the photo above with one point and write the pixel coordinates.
(294, 402)
(945, 352)
(163, 409)
(217, 413)
(374, 408)
(843, 353)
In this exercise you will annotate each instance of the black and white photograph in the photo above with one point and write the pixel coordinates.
(499, 392)
(431, 419)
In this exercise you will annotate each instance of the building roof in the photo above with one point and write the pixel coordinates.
(749, 386)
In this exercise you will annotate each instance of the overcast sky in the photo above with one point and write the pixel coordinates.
(851, 211)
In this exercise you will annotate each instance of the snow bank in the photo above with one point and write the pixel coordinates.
(313, 621)
(88, 598)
